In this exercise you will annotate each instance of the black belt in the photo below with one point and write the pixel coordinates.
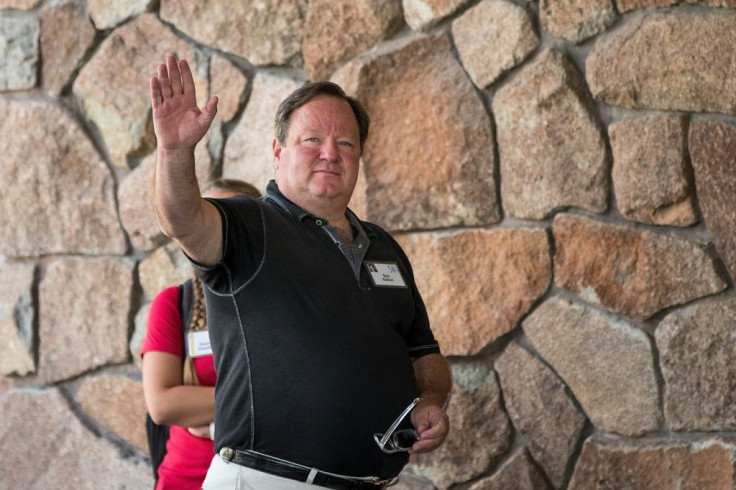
(284, 469)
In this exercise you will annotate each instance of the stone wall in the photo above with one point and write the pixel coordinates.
(561, 173)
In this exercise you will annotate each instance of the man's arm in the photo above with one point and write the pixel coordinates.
(179, 124)
(434, 382)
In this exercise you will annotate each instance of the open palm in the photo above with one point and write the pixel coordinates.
(178, 122)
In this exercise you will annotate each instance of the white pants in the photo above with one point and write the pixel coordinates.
(223, 475)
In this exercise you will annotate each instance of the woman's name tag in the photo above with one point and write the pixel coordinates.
(198, 343)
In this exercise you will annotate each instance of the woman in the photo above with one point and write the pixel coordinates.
(179, 389)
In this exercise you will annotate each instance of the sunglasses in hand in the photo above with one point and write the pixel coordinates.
(394, 441)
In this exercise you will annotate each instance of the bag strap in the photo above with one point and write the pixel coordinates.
(186, 298)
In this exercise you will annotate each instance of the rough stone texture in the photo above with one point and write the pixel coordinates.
(420, 15)
(166, 266)
(248, 154)
(136, 340)
(713, 155)
(519, 473)
(476, 414)
(511, 269)
(596, 355)
(66, 35)
(117, 404)
(123, 115)
(650, 170)
(429, 160)
(18, 4)
(628, 5)
(41, 423)
(635, 273)
(699, 367)
(106, 14)
(135, 199)
(705, 465)
(493, 37)
(18, 52)
(268, 32)
(693, 67)
(17, 313)
(576, 20)
(337, 30)
(228, 83)
(541, 410)
(84, 308)
(551, 151)
(61, 200)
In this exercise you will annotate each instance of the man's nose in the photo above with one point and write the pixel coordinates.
(330, 151)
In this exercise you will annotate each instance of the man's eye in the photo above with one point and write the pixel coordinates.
(312, 140)
(346, 143)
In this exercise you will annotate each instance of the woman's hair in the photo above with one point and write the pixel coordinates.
(310, 91)
(199, 312)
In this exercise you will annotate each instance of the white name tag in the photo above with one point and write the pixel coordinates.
(198, 343)
(385, 274)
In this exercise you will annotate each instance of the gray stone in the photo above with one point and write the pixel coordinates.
(139, 334)
(519, 473)
(421, 15)
(337, 30)
(106, 14)
(676, 62)
(650, 170)
(166, 266)
(606, 362)
(541, 410)
(703, 464)
(41, 423)
(267, 32)
(123, 115)
(429, 160)
(117, 403)
(632, 272)
(17, 314)
(713, 155)
(228, 83)
(248, 155)
(576, 20)
(61, 199)
(699, 366)
(84, 309)
(552, 154)
(475, 409)
(510, 270)
(493, 37)
(66, 35)
(19, 52)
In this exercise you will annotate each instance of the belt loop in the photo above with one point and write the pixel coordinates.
(312, 475)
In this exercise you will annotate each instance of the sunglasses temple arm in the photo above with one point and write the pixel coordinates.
(396, 423)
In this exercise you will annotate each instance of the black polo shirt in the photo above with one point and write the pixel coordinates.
(312, 357)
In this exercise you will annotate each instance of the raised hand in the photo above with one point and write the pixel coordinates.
(178, 122)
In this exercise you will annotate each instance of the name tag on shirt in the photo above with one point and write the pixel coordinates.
(385, 274)
(198, 343)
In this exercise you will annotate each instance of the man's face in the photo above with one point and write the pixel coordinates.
(318, 164)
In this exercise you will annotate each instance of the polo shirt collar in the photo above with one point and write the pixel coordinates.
(273, 194)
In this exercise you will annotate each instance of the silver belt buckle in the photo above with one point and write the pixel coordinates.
(227, 453)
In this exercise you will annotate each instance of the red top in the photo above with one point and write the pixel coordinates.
(187, 457)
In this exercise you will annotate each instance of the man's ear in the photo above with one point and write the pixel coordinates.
(276, 150)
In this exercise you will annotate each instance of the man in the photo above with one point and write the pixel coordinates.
(320, 336)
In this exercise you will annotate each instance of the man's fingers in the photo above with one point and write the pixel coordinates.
(187, 81)
(156, 99)
(174, 75)
(164, 82)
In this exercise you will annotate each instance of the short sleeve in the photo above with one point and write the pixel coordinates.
(163, 327)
